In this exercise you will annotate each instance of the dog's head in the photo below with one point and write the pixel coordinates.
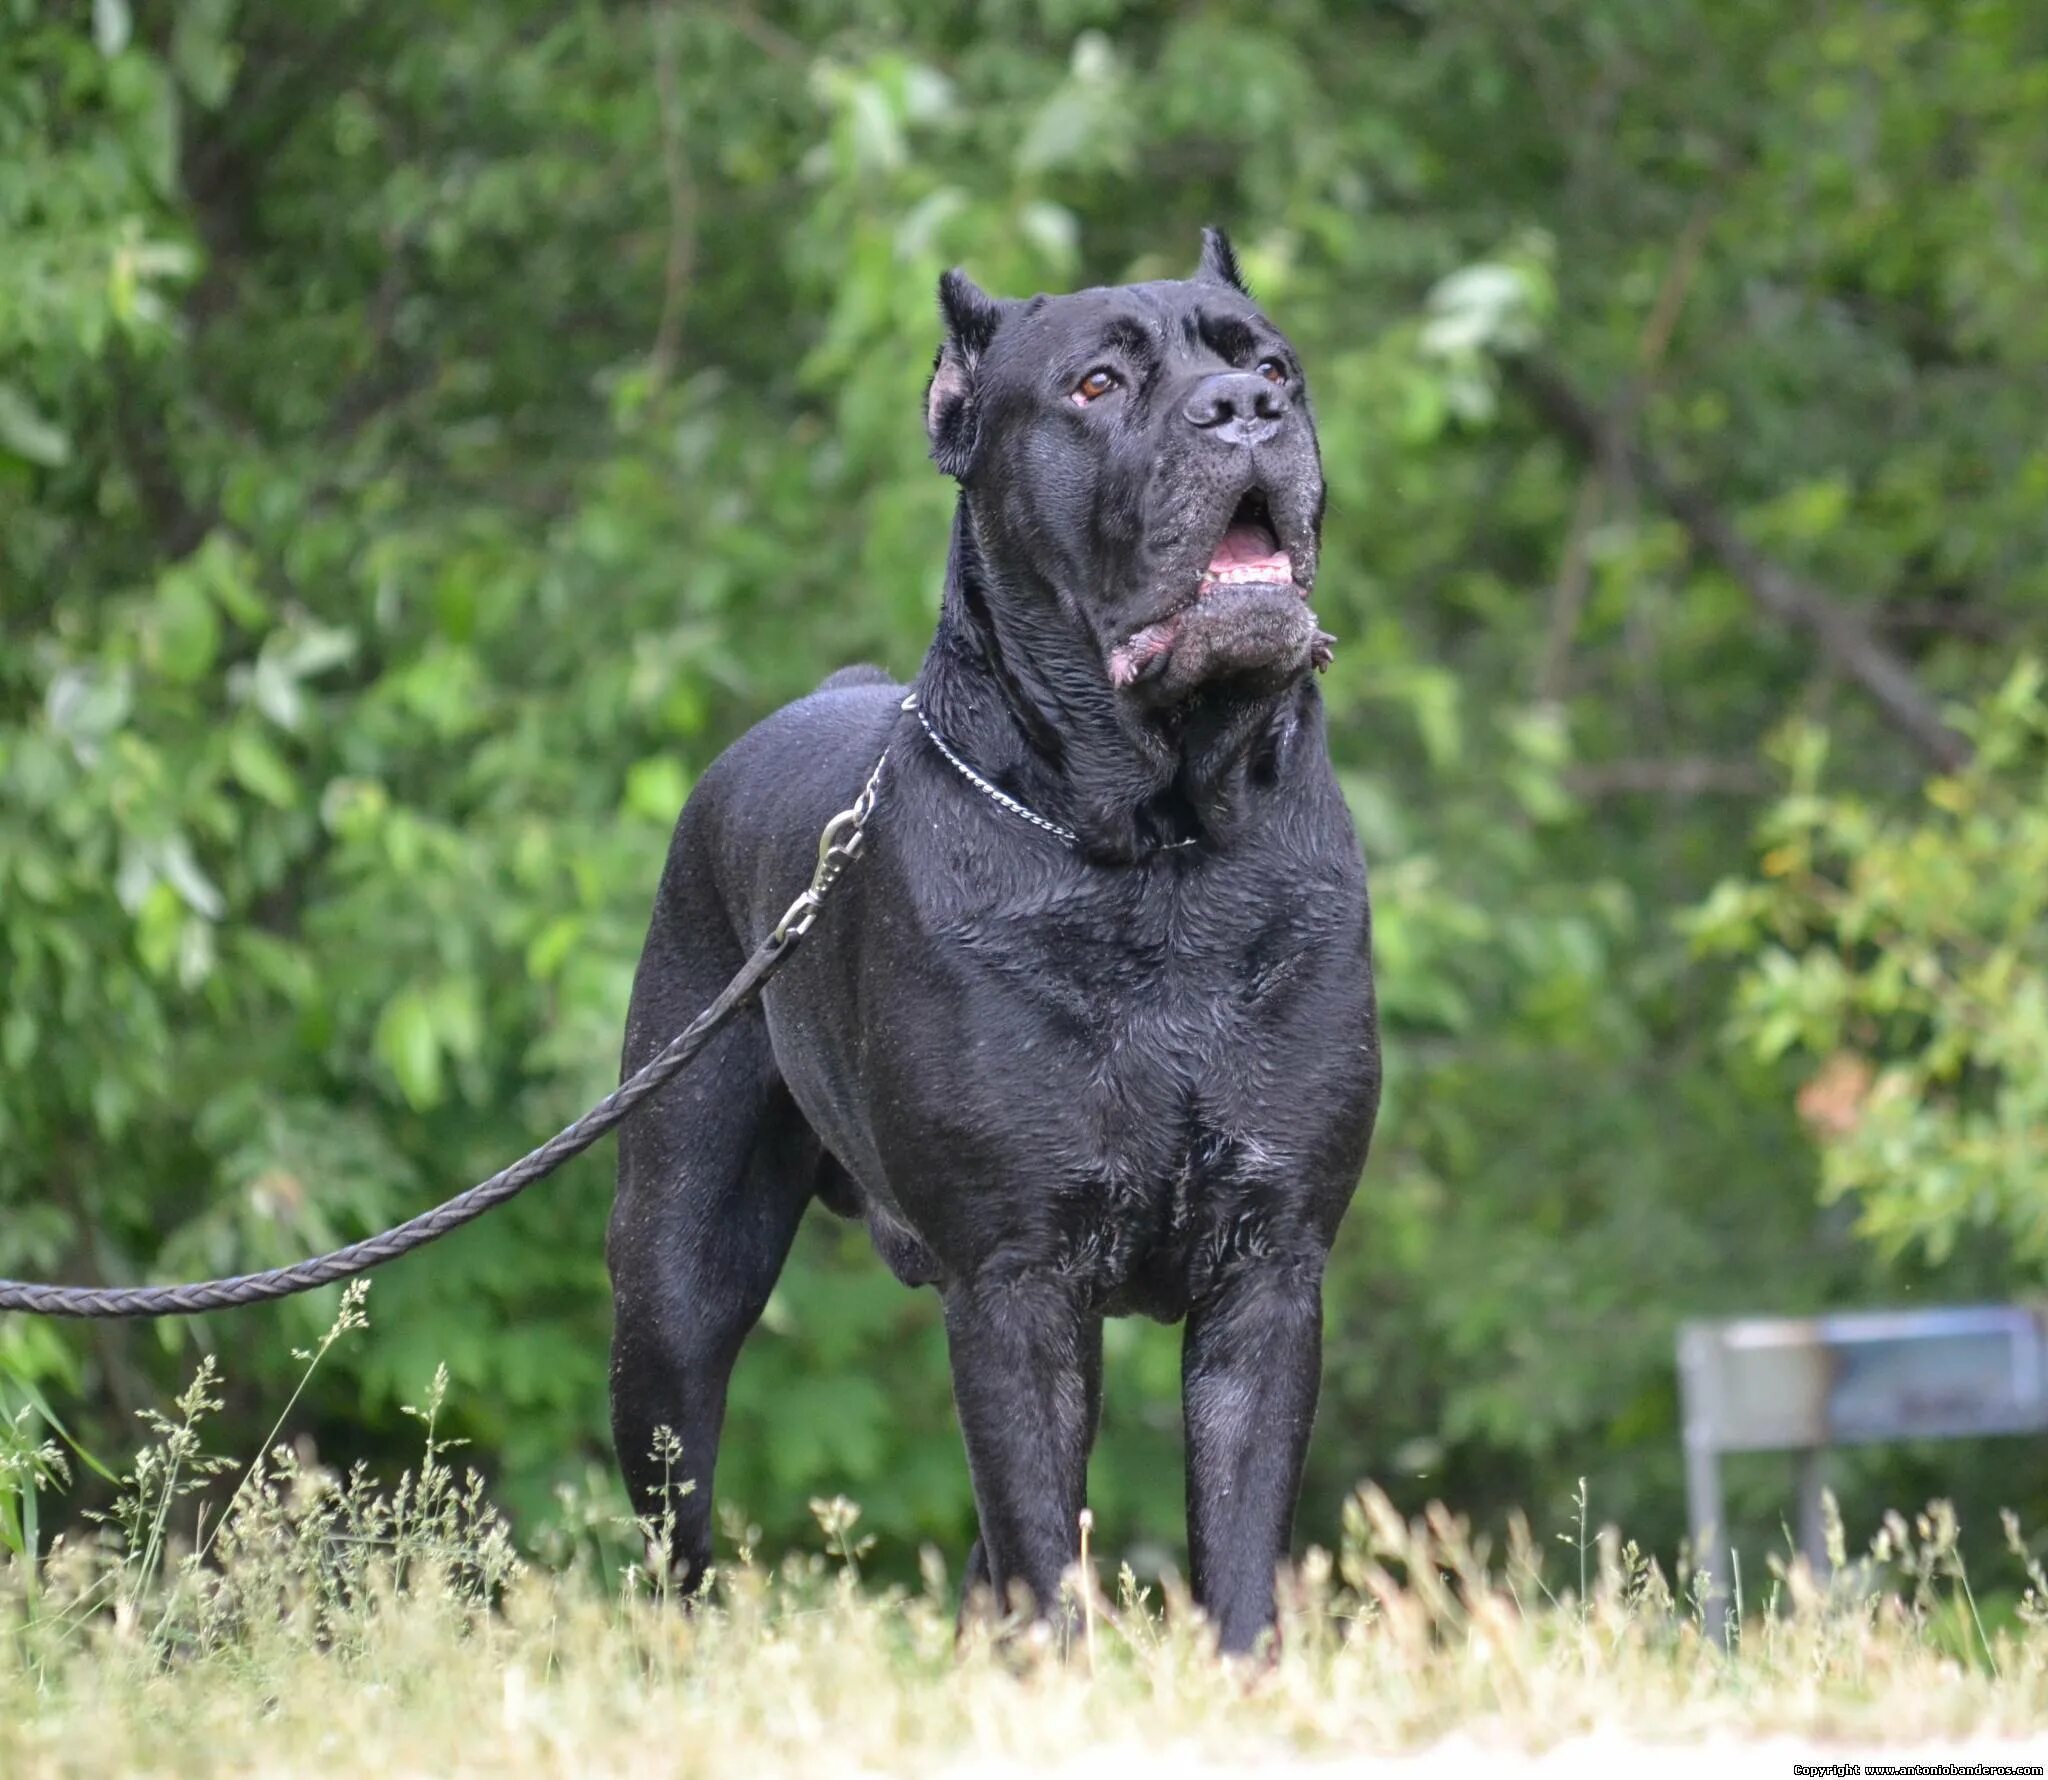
(1142, 456)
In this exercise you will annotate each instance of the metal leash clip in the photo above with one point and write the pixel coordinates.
(838, 847)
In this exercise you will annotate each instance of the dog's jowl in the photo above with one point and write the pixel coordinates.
(1122, 1059)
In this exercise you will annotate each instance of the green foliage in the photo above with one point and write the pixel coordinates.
(1906, 952)
(428, 434)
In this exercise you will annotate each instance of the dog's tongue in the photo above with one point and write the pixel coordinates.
(1251, 553)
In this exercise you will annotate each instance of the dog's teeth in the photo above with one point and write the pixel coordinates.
(1240, 575)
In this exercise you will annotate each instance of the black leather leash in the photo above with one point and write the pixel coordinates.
(838, 846)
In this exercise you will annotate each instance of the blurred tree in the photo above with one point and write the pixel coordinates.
(1906, 951)
(429, 432)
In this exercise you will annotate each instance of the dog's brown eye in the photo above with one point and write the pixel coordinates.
(1272, 370)
(1097, 383)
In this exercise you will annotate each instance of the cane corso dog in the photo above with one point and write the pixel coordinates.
(1103, 1044)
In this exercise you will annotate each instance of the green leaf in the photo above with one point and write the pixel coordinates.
(187, 629)
(409, 1047)
(203, 50)
(112, 26)
(27, 434)
(159, 929)
(86, 705)
(41, 1404)
(261, 769)
(17, 1037)
(552, 945)
(656, 788)
(1434, 697)
(182, 872)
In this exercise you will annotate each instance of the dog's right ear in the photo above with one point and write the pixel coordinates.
(971, 316)
(1219, 263)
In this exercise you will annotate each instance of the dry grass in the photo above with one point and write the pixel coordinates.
(329, 1625)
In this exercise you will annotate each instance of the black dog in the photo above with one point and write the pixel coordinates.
(1123, 1059)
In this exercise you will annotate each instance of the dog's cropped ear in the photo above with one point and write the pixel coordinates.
(1219, 263)
(971, 316)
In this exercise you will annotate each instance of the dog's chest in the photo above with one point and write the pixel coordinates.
(1165, 1036)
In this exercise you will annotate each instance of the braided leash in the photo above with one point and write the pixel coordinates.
(838, 846)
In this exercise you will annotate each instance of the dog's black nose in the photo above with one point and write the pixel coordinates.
(1238, 407)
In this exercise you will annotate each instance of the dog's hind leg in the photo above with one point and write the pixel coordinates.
(714, 1175)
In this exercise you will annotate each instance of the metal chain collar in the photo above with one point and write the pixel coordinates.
(1003, 798)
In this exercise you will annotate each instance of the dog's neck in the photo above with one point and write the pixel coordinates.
(1017, 686)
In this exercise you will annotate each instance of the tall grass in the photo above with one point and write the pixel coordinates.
(339, 1623)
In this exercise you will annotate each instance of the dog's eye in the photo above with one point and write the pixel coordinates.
(1272, 370)
(1098, 383)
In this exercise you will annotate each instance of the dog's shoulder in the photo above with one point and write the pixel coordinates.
(863, 673)
(748, 833)
(779, 780)
(822, 735)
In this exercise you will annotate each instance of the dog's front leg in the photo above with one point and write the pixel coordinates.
(1026, 1353)
(1251, 1366)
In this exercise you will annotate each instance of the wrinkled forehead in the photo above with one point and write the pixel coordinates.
(1171, 321)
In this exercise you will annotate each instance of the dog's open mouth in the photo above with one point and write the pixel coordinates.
(1248, 569)
(1249, 550)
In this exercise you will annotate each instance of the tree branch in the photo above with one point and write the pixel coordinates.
(1568, 595)
(680, 264)
(1843, 634)
(771, 40)
(140, 443)
(1687, 776)
(1946, 617)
